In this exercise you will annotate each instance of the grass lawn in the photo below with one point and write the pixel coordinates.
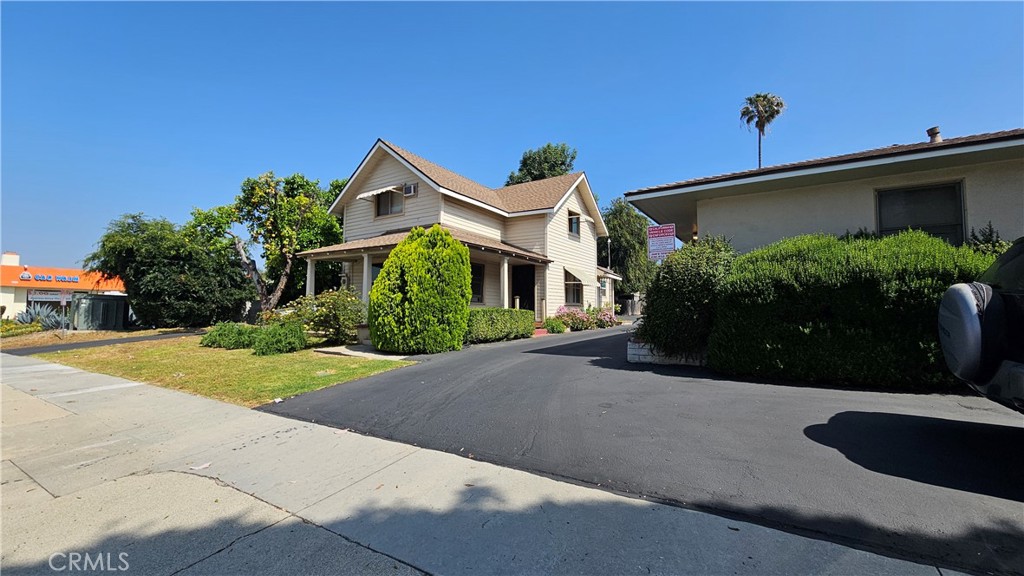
(234, 376)
(50, 337)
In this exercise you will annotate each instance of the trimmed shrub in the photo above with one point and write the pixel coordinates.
(859, 312)
(496, 324)
(680, 302)
(575, 319)
(420, 301)
(334, 314)
(279, 338)
(554, 325)
(230, 335)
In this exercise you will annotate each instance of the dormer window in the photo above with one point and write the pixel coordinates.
(390, 202)
(574, 223)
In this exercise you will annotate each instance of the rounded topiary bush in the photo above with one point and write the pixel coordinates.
(679, 307)
(859, 312)
(420, 301)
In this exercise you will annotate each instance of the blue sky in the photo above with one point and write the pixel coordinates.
(109, 108)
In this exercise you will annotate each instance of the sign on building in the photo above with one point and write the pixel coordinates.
(661, 241)
(44, 295)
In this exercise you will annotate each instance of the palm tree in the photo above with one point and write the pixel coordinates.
(760, 110)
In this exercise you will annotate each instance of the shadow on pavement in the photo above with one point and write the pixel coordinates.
(969, 456)
(472, 530)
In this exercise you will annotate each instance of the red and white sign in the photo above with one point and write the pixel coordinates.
(661, 241)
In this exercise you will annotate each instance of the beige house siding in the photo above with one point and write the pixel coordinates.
(528, 232)
(359, 215)
(992, 191)
(463, 216)
(569, 250)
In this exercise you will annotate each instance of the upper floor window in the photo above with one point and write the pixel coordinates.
(477, 282)
(936, 209)
(574, 223)
(389, 203)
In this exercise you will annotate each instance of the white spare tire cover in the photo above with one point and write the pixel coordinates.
(960, 315)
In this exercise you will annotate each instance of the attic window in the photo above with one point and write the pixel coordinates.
(389, 203)
(574, 223)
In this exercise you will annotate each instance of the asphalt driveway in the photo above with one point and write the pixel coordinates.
(927, 478)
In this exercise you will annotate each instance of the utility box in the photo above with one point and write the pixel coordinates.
(99, 312)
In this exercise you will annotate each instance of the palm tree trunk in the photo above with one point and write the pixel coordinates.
(759, 150)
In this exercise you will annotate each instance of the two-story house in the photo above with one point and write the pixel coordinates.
(532, 246)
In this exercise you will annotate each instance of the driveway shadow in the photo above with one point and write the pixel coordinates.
(968, 456)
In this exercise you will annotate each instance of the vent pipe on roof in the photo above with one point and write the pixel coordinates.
(933, 135)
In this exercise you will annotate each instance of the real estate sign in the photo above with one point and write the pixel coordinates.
(661, 240)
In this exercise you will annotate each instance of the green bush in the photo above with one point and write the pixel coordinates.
(496, 324)
(859, 312)
(230, 335)
(554, 325)
(334, 314)
(420, 301)
(680, 302)
(279, 338)
(987, 241)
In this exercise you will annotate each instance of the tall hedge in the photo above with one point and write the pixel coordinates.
(680, 302)
(859, 312)
(420, 301)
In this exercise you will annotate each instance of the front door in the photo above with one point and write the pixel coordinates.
(524, 286)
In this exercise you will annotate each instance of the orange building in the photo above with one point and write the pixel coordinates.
(21, 284)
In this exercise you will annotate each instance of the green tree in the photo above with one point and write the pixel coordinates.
(627, 230)
(172, 276)
(545, 162)
(283, 216)
(420, 300)
(760, 110)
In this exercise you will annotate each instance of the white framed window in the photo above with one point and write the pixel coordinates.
(389, 203)
(410, 189)
(574, 223)
(573, 290)
(936, 209)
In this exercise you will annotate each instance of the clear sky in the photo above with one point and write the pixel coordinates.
(110, 108)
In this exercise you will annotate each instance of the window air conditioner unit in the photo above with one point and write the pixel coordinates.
(410, 189)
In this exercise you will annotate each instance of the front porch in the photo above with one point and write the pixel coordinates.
(504, 276)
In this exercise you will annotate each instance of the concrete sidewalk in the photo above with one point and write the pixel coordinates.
(161, 482)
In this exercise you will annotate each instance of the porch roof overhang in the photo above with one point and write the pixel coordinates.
(389, 240)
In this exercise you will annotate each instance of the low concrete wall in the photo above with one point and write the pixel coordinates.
(641, 353)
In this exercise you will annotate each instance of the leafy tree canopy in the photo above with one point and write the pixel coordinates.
(283, 216)
(545, 162)
(627, 230)
(173, 277)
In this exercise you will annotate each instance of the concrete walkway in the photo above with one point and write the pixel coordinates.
(100, 469)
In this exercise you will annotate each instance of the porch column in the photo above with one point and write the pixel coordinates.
(310, 277)
(366, 278)
(504, 282)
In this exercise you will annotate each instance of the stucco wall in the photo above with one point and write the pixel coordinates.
(992, 191)
(15, 299)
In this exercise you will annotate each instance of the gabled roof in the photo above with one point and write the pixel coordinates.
(876, 153)
(538, 194)
(517, 200)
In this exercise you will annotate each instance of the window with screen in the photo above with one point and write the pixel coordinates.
(389, 203)
(936, 209)
(573, 290)
(574, 223)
